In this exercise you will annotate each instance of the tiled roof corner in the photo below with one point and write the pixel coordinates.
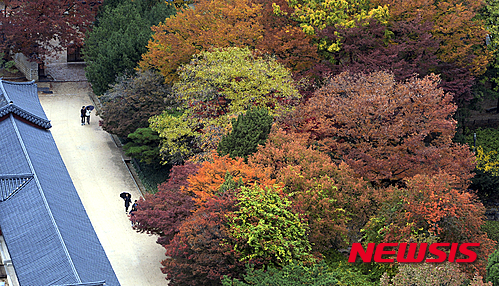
(21, 99)
(12, 108)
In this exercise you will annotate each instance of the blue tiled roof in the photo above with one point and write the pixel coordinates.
(49, 236)
(21, 98)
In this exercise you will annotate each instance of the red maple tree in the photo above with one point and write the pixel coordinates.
(386, 130)
(36, 28)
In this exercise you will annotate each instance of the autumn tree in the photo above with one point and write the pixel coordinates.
(313, 15)
(385, 130)
(284, 39)
(178, 140)
(405, 48)
(115, 45)
(429, 205)
(207, 25)
(232, 80)
(130, 103)
(163, 213)
(335, 202)
(213, 174)
(202, 253)
(460, 33)
(215, 87)
(37, 28)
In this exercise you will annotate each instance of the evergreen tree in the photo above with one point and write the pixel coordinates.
(493, 268)
(115, 45)
(248, 131)
(144, 146)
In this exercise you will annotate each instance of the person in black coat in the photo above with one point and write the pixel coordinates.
(83, 115)
(128, 199)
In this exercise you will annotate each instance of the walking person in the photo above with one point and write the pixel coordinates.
(87, 114)
(127, 198)
(132, 212)
(83, 114)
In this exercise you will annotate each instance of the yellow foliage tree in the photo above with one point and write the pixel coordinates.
(216, 87)
(315, 14)
(209, 24)
(485, 161)
(460, 33)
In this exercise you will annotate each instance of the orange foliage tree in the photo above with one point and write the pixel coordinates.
(212, 174)
(335, 201)
(430, 206)
(386, 131)
(209, 24)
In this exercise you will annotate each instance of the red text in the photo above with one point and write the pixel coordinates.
(414, 252)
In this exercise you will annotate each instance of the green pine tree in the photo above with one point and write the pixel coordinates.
(493, 268)
(248, 131)
(143, 145)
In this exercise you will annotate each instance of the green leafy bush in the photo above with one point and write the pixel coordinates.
(294, 274)
(265, 227)
(143, 146)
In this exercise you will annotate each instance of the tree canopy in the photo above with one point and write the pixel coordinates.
(130, 103)
(215, 87)
(386, 130)
(115, 45)
(209, 24)
(38, 28)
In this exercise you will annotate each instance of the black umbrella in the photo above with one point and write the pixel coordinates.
(124, 195)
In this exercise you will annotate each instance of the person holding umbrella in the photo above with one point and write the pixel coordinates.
(127, 198)
(87, 112)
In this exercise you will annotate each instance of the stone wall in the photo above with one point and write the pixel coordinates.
(29, 69)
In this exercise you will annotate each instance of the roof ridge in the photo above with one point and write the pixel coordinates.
(23, 113)
(42, 194)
